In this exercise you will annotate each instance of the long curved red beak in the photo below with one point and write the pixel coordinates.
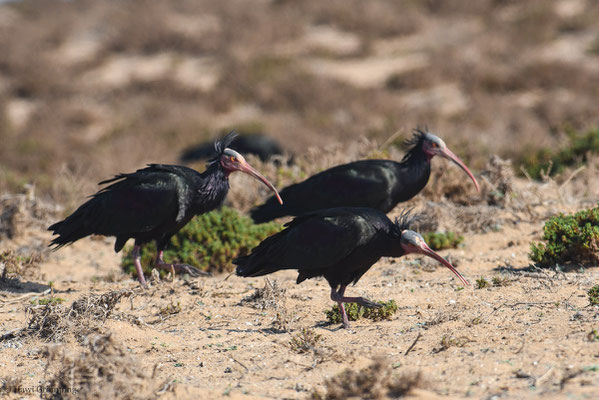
(450, 156)
(248, 169)
(427, 251)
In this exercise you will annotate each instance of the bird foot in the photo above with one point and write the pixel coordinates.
(369, 303)
(182, 269)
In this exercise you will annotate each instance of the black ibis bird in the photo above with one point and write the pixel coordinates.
(340, 244)
(153, 203)
(379, 184)
(258, 144)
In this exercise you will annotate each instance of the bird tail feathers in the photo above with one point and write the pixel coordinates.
(72, 228)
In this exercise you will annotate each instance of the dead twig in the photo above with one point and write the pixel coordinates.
(413, 344)
(25, 296)
(521, 347)
(390, 139)
(240, 363)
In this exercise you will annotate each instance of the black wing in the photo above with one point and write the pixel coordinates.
(310, 242)
(143, 201)
(366, 183)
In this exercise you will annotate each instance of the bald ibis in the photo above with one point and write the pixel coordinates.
(379, 184)
(258, 144)
(153, 203)
(340, 244)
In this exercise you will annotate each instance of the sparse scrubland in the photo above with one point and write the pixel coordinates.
(90, 89)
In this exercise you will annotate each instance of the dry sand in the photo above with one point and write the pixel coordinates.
(527, 338)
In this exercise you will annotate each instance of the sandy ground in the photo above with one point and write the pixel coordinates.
(82, 103)
(527, 338)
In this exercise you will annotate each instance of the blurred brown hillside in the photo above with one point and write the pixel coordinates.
(92, 88)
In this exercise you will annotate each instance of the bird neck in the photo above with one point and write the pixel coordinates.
(416, 156)
(413, 173)
(393, 247)
(213, 187)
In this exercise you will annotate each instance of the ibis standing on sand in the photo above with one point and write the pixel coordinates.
(379, 184)
(153, 203)
(340, 244)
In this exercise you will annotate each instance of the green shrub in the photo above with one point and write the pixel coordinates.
(355, 312)
(593, 294)
(568, 239)
(443, 240)
(554, 162)
(209, 242)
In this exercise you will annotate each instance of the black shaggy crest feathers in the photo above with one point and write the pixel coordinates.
(221, 144)
(405, 220)
(413, 143)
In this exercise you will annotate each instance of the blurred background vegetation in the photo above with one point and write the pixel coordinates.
(89, 89)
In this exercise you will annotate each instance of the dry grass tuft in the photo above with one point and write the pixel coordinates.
(52, 322)
(448, 341)
(169, 310)
(24, 210)
(267, 297)
(305, 342)
(376, 381)
(272, 295)
(98, 307)
(103, 370)
(496, 185)
(14, 268)
(310, 343)
(445, 216)
(450, 184)
(440, 318)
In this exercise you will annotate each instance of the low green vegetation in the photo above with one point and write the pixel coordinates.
(355, 312)
(550, 162)
(500, 281)
(170, 309)
(53, 301)
(571, 239)
(443, 240)
(481, 283)
(593, 294)
(209, 242)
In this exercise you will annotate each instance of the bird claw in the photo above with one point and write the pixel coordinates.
(370, 304)
(184, 269)
(188, 269)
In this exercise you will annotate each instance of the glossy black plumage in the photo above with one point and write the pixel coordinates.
(379, 184)
(153, 203)
(258, 144)
(340, 244)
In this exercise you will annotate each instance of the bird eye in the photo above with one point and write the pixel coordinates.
(232, 158)
(435, 145)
